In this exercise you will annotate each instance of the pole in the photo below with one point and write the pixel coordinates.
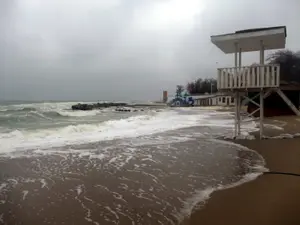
(236, 114)
(261, 61)
(261, 114)
(240, 58)
(262, 53)
(239, 96)
(236, 81)
(239, 113)
(236, 120)
(235, 55)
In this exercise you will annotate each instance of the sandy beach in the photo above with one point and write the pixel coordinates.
(271, 198)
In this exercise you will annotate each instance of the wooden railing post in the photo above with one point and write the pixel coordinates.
(261, 76)
(236, 65)
(219, 79)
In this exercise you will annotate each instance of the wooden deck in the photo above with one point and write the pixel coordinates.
(248, 77)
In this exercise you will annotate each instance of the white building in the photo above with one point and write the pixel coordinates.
(213, 100)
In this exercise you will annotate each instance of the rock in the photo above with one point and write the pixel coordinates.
(122, 110)
(80, 106)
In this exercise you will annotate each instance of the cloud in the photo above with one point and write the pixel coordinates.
(121, 49)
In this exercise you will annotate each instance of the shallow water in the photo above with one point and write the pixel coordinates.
(156, 170)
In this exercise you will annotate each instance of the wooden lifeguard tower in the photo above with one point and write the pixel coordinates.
(262, 78)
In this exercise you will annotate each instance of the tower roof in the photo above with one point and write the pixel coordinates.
(250, 40)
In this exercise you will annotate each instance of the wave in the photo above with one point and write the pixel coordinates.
(30, 116)
(70, 113)
(200, 197)
(56, 114)
(57, 109)
(86, 133)
(32, 113)
(26, 109)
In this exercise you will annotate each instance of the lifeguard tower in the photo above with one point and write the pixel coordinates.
(262, 78)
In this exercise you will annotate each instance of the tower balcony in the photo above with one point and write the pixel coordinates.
(248, 77)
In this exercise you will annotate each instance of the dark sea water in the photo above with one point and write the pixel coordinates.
(154, 166)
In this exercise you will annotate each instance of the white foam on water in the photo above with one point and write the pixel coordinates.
(2, 186)
(40, 115)
(38, 140)
(79, 113)
(159, 140)
(272, 126)
(284, 136)
(25, 193)
(45, 106)
(62, 108)
(201, 196)
(239, 147)
(88, 212)
(43, 183)
(189, 205)
(97, 156)
(79, 189)
(125, 128)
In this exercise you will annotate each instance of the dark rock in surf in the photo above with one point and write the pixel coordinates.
(80, 106)
(122, 110)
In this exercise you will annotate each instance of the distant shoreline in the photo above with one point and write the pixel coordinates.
(93, 106)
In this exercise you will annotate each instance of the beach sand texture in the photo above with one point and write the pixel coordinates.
(271, 198)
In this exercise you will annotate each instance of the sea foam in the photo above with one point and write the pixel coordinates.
(134, 126)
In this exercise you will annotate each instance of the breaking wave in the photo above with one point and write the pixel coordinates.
(86, 133)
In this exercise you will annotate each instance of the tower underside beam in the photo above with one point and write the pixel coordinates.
(288, 102)
(261, 114)
(264, 93)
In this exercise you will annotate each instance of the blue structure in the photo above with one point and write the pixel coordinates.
(182, 100)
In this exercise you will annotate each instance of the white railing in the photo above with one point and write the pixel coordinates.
(256, 76)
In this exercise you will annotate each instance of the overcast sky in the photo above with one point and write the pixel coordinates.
(123, 49)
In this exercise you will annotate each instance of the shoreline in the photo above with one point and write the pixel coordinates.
(268, 199)
(126, 181)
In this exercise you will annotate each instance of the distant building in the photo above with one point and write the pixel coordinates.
(165, 96)
(213, 100)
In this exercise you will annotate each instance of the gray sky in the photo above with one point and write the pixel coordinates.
(123, 49)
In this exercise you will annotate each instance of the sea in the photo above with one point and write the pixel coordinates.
(151, 165)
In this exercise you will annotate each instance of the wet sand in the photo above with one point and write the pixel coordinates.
(271, 198)
(127, 183)
(147, 180)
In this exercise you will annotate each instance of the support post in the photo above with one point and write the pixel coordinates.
(236, 114)
(239, 113)
(262, 53)
(247, 99)
(240, 67)
(236, 81)
(261, 117)
(298, 102)
(288, 102)
(262, 62)
(236, 55)
(240, 58)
